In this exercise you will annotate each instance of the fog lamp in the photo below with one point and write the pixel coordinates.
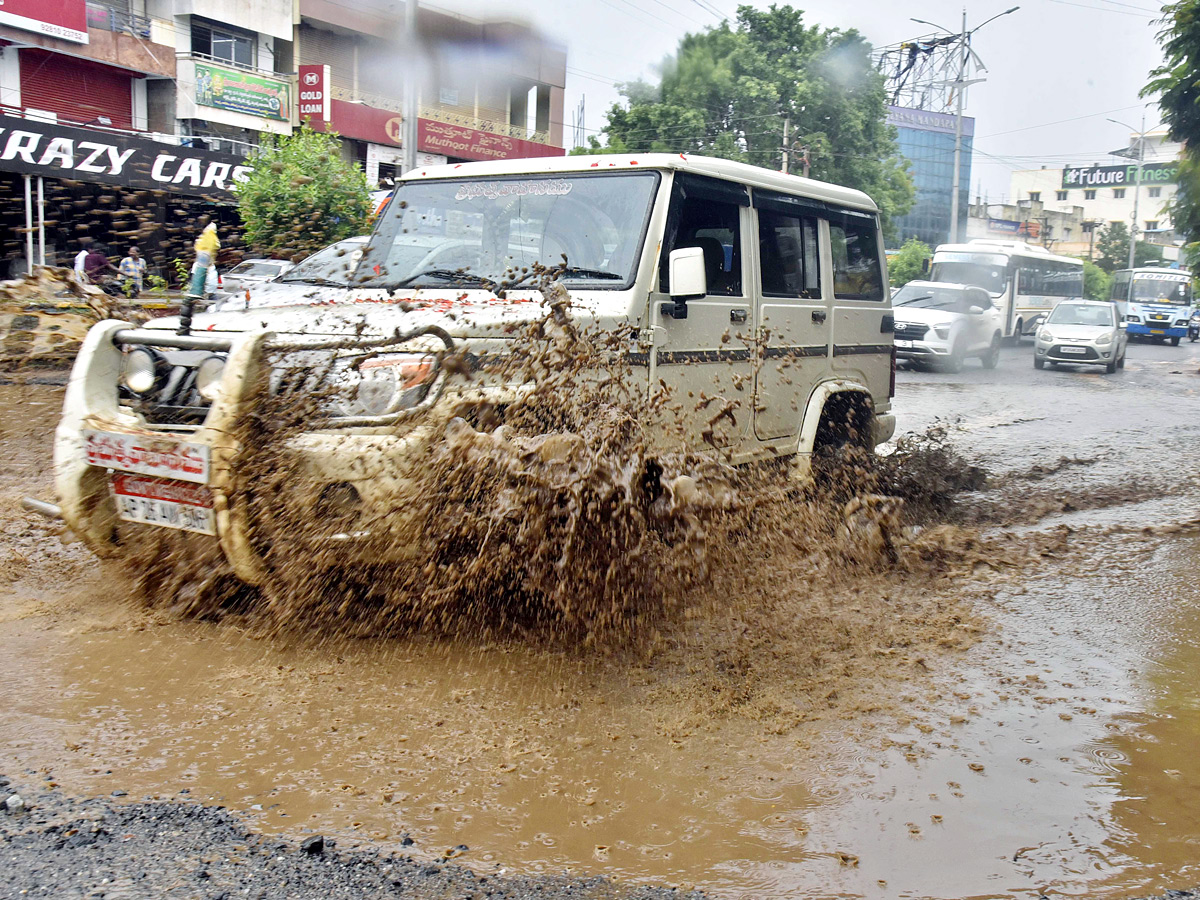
(140, 370)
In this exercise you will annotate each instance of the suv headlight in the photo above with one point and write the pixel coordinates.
(388, 384)
(142, 370)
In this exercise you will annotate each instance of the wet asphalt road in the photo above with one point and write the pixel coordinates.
(1135, 433)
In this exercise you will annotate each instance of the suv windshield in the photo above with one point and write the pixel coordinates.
(333, 265)
(256, 269)
(928, 297)
(481, 231)
(992, 277)
(1079, 314)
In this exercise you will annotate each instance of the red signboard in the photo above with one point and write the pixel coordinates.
(63, 19)
(313, 93)
(363, 123)
(467, 143)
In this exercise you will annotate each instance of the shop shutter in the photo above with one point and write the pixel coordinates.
(75, 89)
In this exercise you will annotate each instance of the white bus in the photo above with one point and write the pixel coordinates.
(1025, 281)
(1156, 303)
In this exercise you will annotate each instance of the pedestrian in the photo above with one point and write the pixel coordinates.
(84, 245)
(133, 270)
(96, 265)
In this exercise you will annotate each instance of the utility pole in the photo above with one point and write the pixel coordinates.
(960, 83)
(1137, 184)
(411, 96)
(787, 121)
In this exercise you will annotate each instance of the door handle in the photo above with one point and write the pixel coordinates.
(737, 316)
(818, 316)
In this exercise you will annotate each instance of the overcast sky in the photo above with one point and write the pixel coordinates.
(1056, 68)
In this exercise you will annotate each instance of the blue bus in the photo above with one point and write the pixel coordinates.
(1156, 303)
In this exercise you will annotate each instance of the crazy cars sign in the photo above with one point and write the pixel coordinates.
(46, 148)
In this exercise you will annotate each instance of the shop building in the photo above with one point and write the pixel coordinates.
(926, 140)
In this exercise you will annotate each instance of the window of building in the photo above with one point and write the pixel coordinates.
(856, 270)
(1152, 225)
(1118, 193)
(1089, 195)
(1035, 195)
(1060, 195)
(1155, 192)
(788, 253)
(223, 43)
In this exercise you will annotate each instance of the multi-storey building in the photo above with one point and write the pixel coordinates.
(926, 139)
(1106, 193)
(131, 119)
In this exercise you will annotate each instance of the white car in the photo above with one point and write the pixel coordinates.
(250, 272)
(1084, 332)
(941, 324)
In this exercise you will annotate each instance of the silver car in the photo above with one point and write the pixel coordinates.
(1083, 332)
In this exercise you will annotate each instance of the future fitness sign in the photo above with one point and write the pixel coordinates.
(1119, 176)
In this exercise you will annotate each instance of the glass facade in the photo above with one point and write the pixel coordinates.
(926, 140)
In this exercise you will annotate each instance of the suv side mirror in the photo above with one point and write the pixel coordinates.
(688, 280)
(924, 265)
(975, 310)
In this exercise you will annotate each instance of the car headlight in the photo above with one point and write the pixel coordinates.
(1105, 338)
(208, 377)
(141, 369)
(942, 331)
(388, 384)
(1044, 335)
(1181, 323)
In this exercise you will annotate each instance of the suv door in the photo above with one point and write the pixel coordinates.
(705, 359)
(862, 315)
(794, 328)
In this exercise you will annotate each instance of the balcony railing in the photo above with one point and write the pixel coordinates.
(109, 18)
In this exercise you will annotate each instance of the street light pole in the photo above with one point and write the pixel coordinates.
(1137, 184)
(960, 82)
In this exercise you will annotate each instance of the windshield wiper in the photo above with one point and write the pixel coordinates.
(591, 273)
(911, 300)
(442, 275)
(321, 282)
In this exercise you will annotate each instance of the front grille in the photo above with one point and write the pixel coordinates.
(1088, 352)
(909, 331)
(1159, 317)
(176, 402)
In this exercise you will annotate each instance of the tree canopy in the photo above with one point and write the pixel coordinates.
(302, 195)
(1112, 249)
(909, 263)
(728, 90)
(1177, 84)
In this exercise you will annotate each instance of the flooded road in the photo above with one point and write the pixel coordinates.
(1012, 725)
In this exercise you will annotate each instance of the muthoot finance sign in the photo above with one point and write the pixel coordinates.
(1119, 176)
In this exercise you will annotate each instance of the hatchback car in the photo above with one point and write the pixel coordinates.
(1084, 332)
(251, 272)
(941, 324)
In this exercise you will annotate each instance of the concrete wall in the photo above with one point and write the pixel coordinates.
(273, 17)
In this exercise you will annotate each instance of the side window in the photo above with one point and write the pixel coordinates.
(857, 274)
(715, 228)
(788, 253)
(980, 299)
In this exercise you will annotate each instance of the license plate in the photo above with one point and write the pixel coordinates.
(905, 345)
(1157, 331)
(1073, 350)
(164, 502)
(163, 457)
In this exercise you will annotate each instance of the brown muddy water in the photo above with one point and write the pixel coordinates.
(1013, 716)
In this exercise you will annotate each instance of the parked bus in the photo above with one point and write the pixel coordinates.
(1025, 281)
(1156, 303)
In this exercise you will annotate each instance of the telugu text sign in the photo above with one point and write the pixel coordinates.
(241, 92)
(467, 143)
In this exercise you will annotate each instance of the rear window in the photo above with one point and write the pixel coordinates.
(857, 274)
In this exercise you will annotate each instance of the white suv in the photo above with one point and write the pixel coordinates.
(941, 324)
(763, 292)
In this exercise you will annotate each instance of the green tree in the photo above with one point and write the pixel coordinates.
(1176, 84)
(1112, 248)
(909, 262)
(1096, 281)
(302, 195)
(727, 92)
